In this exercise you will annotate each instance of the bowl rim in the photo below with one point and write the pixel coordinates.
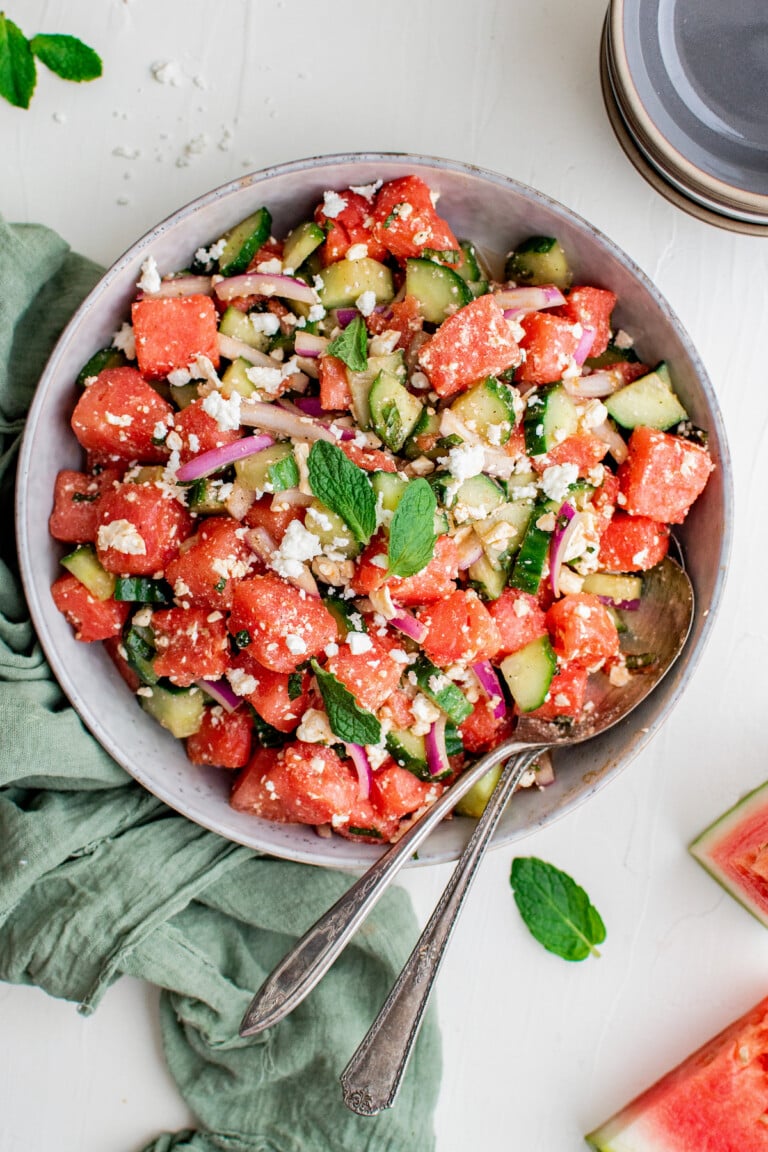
(141, 247)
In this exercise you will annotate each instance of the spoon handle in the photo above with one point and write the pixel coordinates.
(307, 962)
(372, 1078)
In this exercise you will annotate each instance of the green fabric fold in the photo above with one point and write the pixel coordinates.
(98, 878)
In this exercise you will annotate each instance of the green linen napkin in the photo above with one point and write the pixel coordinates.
(98, 878)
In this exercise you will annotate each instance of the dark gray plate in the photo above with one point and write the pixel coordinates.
(700, 71)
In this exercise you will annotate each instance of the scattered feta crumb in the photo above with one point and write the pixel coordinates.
(359, 642)
(123, 536)
(464, 461)
(179, 377)
(623, 340)
(297, 546)
(243, 684)
(150, 280)
(314, 728)
(226, 412)
(265, 322)
(356, 252)
(316, 312)
(295, 645)
(366, 302)
(124, 340)
(267, 379)
(333, 204)
(168, 72)
(557, 479)
(367, 191)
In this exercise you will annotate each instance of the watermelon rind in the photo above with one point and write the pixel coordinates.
(704, 847)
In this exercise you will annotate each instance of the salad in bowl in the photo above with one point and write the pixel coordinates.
(353, 495)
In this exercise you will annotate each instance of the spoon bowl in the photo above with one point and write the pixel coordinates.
(652, 637)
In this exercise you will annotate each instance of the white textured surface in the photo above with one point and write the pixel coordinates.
(536, 1051)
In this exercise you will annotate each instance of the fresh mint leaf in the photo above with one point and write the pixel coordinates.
(441, 691)
(557, 912)
(283, 474)
(17, 65)
(268, 736)
(412, 530)
(344, 488)
(295, 685)
(351, 345)
(67, 56)
(347, 719)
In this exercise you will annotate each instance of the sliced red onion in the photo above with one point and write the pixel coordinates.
(617, 446)
(409, 626)
(307, 344)
(626, 605)
(260, 542)
(233, 349)
(521, 300)
(309, 405)
(594, 385)
(182, 286)
(259, 414)
(359, 758)
(292, 498)
(222, 693)
(567, 522)
(345, 316)
(265, 284)
(470, 550)
(584, 346)
(489, 682)
(297, 406)
(437, 754)
(208, 462)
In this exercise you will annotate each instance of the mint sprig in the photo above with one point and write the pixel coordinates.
(412, 530)
(346, 718)
(351, 345)
(556, 911)
(344, 488)
(67, 56)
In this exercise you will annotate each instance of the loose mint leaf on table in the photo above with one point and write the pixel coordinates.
(67, 56)
(347, 719)
(412, 530)
(17, 65)
(351, 345)
(557, 912)
(344, 488)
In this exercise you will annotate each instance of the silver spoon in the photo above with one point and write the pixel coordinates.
(655, 636)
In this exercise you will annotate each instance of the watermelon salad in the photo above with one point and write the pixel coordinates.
(350, 504)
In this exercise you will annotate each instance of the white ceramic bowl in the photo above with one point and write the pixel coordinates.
(496, 213)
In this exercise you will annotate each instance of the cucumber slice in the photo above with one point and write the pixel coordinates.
(235, 379)
(489, 580)
(360, 383)
(183, 394)
(409, 752)
(204, 497)
(473, 804)
(441, 691)
(330, 529)
(301, 243)
(238, 325)
(550, 417)
(616, 586)
(488, 408)
(104, 358)
(180, 711)
(532, 557)
(143, 590)
(539, 260)
(502, 533)
(439, 290)
(476, 498)
(85, 565)
(428, 425)
(471, 270)
(529, 672)
(389, 488)
(346, 615)
(272, 470)
(649, 400)
(346, 280)
(394, 411)
(140, 654)
(243, 242)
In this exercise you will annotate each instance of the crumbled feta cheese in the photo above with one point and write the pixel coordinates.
(179, 377)
(366, 302)
(594, 414)
(160, 430)
(465, 461)
(268, 380)
(123, 421)
(297, 546)
(226, 412)
(619, 675)
(207, 256)
(316, 312)
(314, 728)
(380, 561)
(125, 341)
(123, 536)
(143, 617)
(333, 204)
(367, 191)
(425, 713)
(359, 642)
(149, 281)
(295, 645)
(557, 479)
(356, 252)
(623, 340)
(243, 684)
(271, 267)
(265, 322)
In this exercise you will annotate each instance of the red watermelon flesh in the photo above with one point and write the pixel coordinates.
(735, 851)
(715, 1101)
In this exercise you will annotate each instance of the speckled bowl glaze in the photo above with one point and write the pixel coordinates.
(496, 212)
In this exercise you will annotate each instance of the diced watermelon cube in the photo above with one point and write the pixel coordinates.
(662, 475)
(171, 332)
(474, 342)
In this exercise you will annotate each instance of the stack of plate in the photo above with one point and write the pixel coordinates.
(686, 87)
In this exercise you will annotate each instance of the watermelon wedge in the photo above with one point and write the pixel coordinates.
(715, 1101)
(735, 851)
